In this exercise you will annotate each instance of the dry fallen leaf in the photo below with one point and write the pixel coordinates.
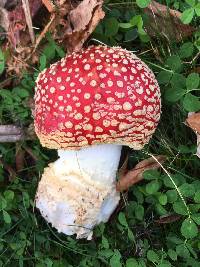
(9, 169)
(70, 24)
(163, 10)
(198, 145)
(168, 218)
(81, 23)
(2, 3)
(166, 22)
(193, 121)
(19, 157)
(49, 5)
(77, 21)
(82, 14)
(30, 153)
(123, 169)
(14, 21)
(17, 62)
(135, 175)
(4, 20)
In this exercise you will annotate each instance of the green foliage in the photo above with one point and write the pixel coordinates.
(116, 27)
(179, 87)
(2, 62)
(189, 228)
(192, 10)
(111, 27)
(143, 3)
(158, 220)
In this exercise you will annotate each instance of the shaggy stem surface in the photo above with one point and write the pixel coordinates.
(78, 191)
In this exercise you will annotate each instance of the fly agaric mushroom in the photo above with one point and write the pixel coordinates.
(88, 105)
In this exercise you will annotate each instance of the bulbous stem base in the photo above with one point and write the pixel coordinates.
(78, 191)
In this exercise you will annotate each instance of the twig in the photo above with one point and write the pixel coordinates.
(10, 130)
(10, 138)
(10, 133)
(42, 34)
(27, 13)
(195, 58)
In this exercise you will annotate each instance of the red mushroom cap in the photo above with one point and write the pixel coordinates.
(100, 95)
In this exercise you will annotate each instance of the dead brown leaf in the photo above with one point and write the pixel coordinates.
(135, 175)
(4, 20)
(168, 219)
(19, 157)
(49, 5)
(196, 69)
(163, 10)
(198, 145)
(70, 24)
(17, 21)
(123, 170)
(81, 22)
(9, 169)
(2, 3)
(166, 22)
(30, 152)
(193, 121)
(17, 61)
(75, 21)
(82, 14)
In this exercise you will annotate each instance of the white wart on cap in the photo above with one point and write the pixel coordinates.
(100, 95)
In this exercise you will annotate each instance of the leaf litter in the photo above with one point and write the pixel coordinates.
(193, 121)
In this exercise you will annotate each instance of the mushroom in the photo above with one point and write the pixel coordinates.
(89, 105)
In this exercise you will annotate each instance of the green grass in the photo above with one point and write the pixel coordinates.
(157, 221)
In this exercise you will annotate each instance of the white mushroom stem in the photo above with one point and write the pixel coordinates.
(78, 191)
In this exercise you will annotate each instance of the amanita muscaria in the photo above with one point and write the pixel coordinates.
(89, 105)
